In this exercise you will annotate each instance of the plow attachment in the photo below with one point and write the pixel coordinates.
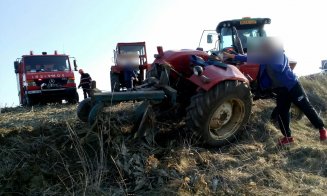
(89, 109)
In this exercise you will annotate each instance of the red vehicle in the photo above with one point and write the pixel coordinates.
(118, 71)
(45, 78)
(212, 94)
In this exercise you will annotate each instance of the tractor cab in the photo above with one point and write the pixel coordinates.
(245, 27)
(130, 65)
(225, 34)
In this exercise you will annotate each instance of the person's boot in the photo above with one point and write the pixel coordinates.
(323, 134)
(285, 141)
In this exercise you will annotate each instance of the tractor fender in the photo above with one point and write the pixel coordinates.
(213, 75)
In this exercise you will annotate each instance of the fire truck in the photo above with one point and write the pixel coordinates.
(45, 78)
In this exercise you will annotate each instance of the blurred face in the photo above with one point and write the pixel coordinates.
(265, 50)
(128, 59)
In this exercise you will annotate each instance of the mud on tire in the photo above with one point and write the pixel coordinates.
(217, 116)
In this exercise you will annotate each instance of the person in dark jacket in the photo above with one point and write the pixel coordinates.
(276, 74)
(130, 75)
(85, 83)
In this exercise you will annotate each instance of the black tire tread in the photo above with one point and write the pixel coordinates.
(201, 103)
(83, 109)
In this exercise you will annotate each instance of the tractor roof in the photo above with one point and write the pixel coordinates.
(246, 23)
(131, 44)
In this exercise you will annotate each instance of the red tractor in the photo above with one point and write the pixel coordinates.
(45, 78)
(130, 66)
(213, 96)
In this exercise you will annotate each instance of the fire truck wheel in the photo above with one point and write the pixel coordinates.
(217, 116)
(27, 101)
(74, 98)
(115, 83)
(83, 109)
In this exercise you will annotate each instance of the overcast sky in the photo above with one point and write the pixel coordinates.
(89, 30)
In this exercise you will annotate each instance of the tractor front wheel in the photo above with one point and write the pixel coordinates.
(94, 112)
(83, 109)
(217, 116)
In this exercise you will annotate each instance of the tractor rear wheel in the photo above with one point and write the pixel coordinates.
(83, 109)
(218, 115)
(115, 82)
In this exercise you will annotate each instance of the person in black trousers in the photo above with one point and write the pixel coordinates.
(276, 74)
(85, 83)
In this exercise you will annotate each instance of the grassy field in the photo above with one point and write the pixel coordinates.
(44, 151)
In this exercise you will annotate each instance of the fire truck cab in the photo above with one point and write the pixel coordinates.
(45, 78)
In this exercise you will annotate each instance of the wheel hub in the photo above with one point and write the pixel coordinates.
(222, 115)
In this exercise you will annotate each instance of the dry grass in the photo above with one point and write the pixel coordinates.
(43, 152)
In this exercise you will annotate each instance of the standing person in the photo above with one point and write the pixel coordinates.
(131, 67)
(274, 114)
(85, 83)
(130, 75)
(277, 74)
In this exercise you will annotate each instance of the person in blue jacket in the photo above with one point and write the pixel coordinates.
(276, 74)
(130, 75)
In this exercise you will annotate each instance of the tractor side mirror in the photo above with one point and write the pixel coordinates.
(75, 65)
(16, 65)
(209, 39)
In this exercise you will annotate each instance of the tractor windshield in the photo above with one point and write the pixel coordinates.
(132, 50)
(226, 36)
(46, 63)
(140, 50)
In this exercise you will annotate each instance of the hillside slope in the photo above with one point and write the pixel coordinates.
(43, 150)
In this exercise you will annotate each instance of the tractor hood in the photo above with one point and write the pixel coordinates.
(180, 60)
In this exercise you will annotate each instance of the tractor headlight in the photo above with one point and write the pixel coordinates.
(197, 70)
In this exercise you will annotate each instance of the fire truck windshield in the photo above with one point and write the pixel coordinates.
(46, 63)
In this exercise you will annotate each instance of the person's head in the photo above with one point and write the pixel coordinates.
(80, 71)
(265, 50)
(270, 46)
